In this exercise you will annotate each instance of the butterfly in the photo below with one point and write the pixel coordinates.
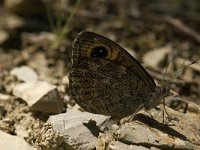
(106, 79)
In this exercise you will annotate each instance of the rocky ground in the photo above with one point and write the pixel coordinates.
(36, 110)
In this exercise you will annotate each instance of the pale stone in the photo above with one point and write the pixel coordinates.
(76, 129)
(40, 96)
(3, 36)
(9, 142)
(24, 73)
(153, 58)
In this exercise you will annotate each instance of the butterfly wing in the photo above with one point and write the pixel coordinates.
(105, 78)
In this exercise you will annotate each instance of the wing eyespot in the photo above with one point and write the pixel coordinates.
(99, 51)
(86, 82)
(88, 94)
(97, 104)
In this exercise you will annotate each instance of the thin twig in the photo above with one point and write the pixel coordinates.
(182, 27)
(161, 77)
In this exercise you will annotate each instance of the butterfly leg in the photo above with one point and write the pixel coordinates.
(168, 117)
(131, 117)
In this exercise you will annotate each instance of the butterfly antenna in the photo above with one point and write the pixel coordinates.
(175, 75)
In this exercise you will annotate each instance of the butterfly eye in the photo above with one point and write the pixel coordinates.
(87, 93)
(99, 51)
(97, 104)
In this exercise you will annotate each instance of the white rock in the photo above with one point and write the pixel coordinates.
(154, 57)
(40, 96)
(24, 73)
(154, 133)
(4, 97)
(116, 145)
(9, 142)
(3, 36)
(75, 128)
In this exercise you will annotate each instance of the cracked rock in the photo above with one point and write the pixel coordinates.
(40, 96)
(24, 73)
(9, 142)
(79, 129)
(181, 132)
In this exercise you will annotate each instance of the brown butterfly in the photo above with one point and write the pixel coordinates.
(106, 79)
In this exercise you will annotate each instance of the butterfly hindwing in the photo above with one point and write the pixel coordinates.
(105, 79)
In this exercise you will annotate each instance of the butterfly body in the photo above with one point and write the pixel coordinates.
(105, 79)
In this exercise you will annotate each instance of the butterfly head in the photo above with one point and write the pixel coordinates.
(160, 93)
